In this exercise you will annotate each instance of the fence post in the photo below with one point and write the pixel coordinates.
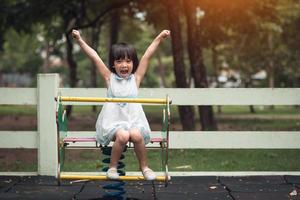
(47, 137)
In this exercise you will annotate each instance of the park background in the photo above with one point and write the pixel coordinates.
(214, 43)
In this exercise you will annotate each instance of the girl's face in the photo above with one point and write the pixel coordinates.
(123, 67)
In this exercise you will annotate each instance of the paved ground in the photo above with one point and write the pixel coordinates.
(204, 187)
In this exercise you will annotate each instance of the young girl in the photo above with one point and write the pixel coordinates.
(123, 122)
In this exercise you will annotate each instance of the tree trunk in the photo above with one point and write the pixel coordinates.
(248, 84)
(215, 64)
(186, 112)
(46, 61)
(215, 69)
(162, 72)
(270, 65)
(94, 44)
(114, 27)
(197, 66)
(73, 68)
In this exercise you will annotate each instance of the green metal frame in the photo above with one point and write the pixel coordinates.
(165, 138)
(62, 128)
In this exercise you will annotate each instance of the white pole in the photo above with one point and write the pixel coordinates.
(47, 137)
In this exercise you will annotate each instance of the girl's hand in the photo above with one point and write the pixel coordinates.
(164, 34)
(76, 34)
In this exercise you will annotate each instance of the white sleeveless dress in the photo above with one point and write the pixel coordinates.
(115, 116)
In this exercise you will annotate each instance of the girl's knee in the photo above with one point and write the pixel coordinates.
(122, 136)
(136, 136)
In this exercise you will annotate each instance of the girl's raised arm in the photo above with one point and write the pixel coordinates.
(92, 54)
(142, 68)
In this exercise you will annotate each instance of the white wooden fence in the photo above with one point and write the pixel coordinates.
(44, 139)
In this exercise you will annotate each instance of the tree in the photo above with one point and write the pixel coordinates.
(263, 40)
(198, 69)
(289, 13)
(18, 57)
(186, 112)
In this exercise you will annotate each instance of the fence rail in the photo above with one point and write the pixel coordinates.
(44, 139)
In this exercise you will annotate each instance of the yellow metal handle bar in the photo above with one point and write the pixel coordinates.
(101, 177)
(119, 100)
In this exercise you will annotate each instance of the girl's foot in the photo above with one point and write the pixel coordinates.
(148, 174)
(112, 173)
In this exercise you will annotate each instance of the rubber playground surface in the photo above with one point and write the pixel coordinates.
(193, 187)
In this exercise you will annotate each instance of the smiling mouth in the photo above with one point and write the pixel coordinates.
(124, 71)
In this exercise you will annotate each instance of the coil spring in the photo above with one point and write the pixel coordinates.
(113, 190)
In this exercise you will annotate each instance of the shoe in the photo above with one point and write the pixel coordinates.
(148, 174)
(112, 173)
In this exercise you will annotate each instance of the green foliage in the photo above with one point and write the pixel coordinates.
(240, 31)
(21, 53)
(262, 35)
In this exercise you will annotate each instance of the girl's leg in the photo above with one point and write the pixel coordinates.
(121, 139)
(139, 147)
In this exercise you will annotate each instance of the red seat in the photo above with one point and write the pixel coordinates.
(92, 139)
(73, 139)
(158, 140)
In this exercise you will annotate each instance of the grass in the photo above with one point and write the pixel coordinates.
(155, 111)
(189, 160)
(202, 160)
(18, 166)
(18, 110)
(261, 124)
(265, 110)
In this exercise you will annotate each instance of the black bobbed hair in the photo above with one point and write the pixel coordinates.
(121, 51)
